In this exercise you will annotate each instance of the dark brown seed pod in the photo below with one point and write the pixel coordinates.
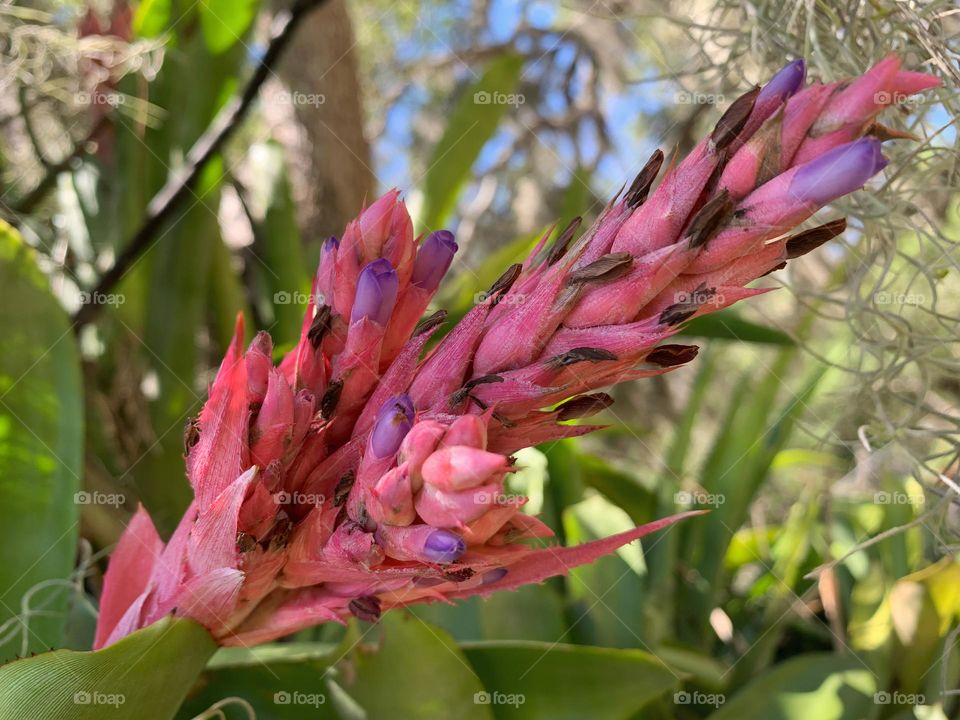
(671, 355)
(709, 219)
(640, 188)
(732, 121)
(804, 242)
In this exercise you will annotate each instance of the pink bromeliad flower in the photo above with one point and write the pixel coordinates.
(357, 477)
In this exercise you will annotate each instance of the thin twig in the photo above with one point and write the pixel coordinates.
(165, 203)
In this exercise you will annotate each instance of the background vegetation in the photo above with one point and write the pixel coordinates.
(821, 425)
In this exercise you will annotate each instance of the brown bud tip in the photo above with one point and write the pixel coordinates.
(608, 267)
(804, 242)
(320, 326)
(460, 395)
(709, 219)
(687, 307)
(637, 194)
(191, 434)
(505, 281)
(365, 607)
(328, 403)
(344, 485)
(563, 241)
(430, 323)
(733, 120)
(581, 354)
(885, 132)
(671, 355)
(583, 406)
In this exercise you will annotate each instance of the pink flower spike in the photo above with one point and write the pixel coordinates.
(131, 566)
(220, 453)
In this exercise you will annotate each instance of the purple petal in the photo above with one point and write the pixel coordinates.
(443, 546)
(785, 83)
(433, 259)
(376, 292)
(392, 424)
(838, 172)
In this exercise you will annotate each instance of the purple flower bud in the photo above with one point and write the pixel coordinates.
(785, 83)
(443, 546)
(393, 422)
(492, 576)
(837, 172)
(376, 292)
(329, 245)
(433, 259)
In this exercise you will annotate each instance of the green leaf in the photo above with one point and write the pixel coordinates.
(550, 680)
(605, 592)
(417, 671)
(728, 325)
(473, 121)
(279, 258)
(224, 22)
(822, 686)
(144, 675)
(41, 448)
(152, 18)
(283, 680)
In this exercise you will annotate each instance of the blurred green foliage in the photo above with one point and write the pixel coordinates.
(744, 612)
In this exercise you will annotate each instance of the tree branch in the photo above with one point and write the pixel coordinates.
(165, 203)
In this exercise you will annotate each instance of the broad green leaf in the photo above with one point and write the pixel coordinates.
(605, 592)
(821, 686)
(227, 296)
(176, 271)
(728, 325)
(750, 437)
(224, 22)
(662, 557)
(152, 17)
(621, 488)
(472, 123)
(144, 675)
(549, 680)
(41, 451)
(416, 671)
(279, 681)
(279, 257)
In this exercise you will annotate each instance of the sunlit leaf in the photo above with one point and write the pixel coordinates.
(41, 451)
(144, 675)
